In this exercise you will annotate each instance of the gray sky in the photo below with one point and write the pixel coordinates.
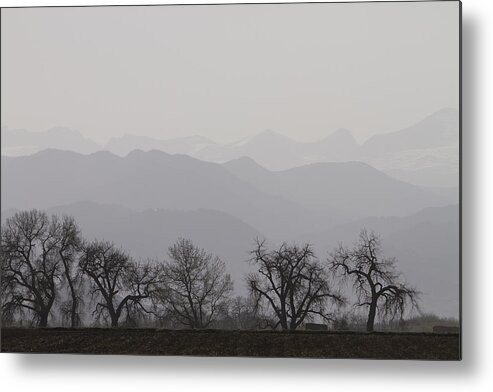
(227, 72)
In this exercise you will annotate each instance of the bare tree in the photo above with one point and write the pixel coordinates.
(69, 247)
(143, 281)
(119, 284)
(197, 284)
(245, 313)
(292, 283)
(376, 282)
(30, 265)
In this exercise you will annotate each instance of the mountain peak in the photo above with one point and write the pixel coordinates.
(439, 129)
(269, 134)
(56, 152)
(62, 131)
(341, 131)
(140, 153)
(244, 162)
(265, 137)
(341, 134)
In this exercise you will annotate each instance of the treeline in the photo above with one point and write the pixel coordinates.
(52, 276)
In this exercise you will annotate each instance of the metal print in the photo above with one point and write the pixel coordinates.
(272, 180)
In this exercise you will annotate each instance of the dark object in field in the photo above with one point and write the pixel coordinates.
(316, 327)
(445, 329)
(227, 343)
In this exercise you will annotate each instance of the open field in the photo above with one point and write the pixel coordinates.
(233, 343)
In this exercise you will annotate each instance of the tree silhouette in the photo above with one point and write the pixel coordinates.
(31, 265)
(376, 282)
(119, 283)
(68, 250)
(292, 283)
(197, 285)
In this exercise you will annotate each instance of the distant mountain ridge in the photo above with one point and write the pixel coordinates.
(188, 145)
(426, 153)
(279, 204)
(17, 142)
(351, 188)
(142, 180)
(321, 192)
(445, 126)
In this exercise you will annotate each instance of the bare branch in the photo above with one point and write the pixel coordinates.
(376, 283)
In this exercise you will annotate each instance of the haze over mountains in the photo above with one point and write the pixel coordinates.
(426, 153)
(145, 193)
(188, 145)
(146, 200)
(285, 203)
(17, 142)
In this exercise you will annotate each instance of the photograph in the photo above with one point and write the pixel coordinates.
(232, 180)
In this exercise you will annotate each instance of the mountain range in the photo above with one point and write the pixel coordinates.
(17, 142)
(279, 204)
(425, 153)
(143, 194)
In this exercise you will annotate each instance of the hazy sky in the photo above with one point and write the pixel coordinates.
(227, 72)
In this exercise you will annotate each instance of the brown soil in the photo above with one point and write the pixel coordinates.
(233, 343)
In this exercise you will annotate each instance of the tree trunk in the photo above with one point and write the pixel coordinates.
(283, 318)
(114, 318)
(73, 311)
(284, 324)
(114, 322)
(43, 319)
(371, 316)
(74, 320)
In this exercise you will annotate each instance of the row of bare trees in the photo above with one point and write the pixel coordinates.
(48, 268)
